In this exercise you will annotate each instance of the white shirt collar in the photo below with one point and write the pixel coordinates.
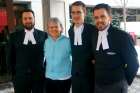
(78, 34)
(29, 37)
(102, 39)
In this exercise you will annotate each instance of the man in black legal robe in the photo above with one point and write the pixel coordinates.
(25, 56)
(80, 34)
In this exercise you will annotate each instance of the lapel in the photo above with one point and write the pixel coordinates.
(36, 35)
(21, 36)
(95, 38)
(110, 36)
(71, 34)
(84, 32)
(110, 30)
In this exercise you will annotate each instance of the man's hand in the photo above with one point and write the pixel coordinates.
(93, 61)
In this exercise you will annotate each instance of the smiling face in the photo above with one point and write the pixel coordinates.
(54, 29)
(28, 20)
(102, 18)
(78, 14)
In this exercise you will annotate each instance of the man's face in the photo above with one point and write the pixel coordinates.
(78, 14)
(28, 20)
(102, 18)
(54, 29)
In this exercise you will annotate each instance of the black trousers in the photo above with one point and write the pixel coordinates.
(3, 65)
(118, 87)
(57, 86)
(26, 84)
(82, 84)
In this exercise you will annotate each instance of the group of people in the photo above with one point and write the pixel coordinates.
(93, 59)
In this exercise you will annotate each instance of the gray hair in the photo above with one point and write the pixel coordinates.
(55, 20)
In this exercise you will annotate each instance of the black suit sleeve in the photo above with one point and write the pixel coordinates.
(11, 55)
(129, 56)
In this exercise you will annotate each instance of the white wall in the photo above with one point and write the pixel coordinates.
(36, 6)
(60, 9)
(67, 17)
(132, 27)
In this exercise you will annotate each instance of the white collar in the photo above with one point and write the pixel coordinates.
(102, 39)
(29, 37)
(78, 34)
(79, 27)
(106, 29)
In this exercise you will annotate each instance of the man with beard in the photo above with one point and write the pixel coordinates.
(25, 56)
(116, 61)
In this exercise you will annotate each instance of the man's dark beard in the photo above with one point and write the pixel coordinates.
(29, 27)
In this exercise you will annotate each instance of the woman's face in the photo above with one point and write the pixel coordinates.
(54, 29)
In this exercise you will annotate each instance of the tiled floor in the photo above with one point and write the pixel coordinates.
(6, 88)
(134, 88)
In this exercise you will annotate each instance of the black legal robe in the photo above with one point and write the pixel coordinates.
(26, 61)
(82, 67)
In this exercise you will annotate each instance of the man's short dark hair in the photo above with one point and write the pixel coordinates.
(103, 6)
(27, 10)
(78, 3)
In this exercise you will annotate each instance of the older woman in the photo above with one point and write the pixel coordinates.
(57, 55)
